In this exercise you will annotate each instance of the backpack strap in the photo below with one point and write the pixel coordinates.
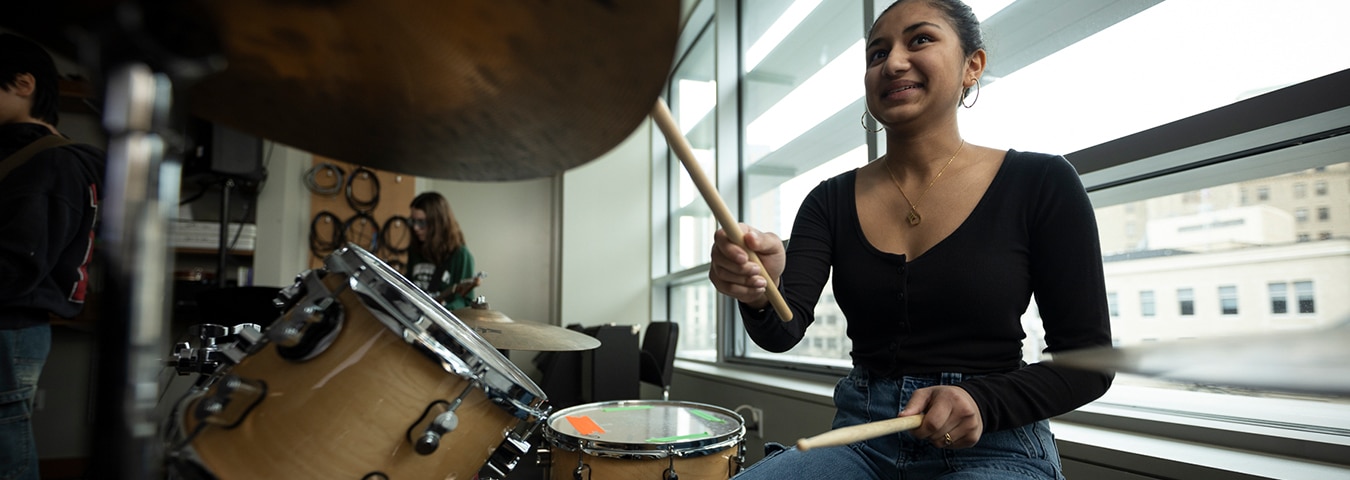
(20, 157)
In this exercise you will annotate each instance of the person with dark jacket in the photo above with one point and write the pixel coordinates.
(49, 199)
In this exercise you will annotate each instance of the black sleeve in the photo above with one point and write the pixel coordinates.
(806, 269)
(1069, 287)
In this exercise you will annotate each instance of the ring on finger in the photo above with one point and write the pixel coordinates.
(947, 438)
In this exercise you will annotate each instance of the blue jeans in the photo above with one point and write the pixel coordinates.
(22, 354)
(1017, 453)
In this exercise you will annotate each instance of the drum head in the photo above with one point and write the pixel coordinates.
(645, 429)
(422, 320)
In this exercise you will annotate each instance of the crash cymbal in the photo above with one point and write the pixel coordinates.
(454, 89)
(1313, 361)
(502, 332)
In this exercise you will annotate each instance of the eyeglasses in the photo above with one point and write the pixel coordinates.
(417, 223)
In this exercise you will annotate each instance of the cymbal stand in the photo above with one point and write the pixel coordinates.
(141, 192)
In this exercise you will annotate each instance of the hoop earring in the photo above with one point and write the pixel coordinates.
(977, 95)
(863, 120)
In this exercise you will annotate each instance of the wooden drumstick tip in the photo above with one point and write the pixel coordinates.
(858, 433)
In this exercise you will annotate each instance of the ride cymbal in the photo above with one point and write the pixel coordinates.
(502, 332)
(462, 89)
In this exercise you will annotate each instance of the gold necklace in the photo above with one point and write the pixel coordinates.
(913, 216)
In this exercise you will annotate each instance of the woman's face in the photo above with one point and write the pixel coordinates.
(417, 219)
(916, 68)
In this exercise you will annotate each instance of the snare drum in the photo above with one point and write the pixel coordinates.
(640, 439)
(365, 377)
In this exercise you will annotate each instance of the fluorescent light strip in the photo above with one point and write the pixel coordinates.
(786, 23)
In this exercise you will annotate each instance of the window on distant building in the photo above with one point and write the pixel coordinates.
(1228, 300)
(1113, 304)
(1186, 300)
(1279, 298)
(1300, 190)
(1146, 303)
(1304, 292)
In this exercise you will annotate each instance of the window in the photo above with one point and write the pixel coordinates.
(1146, 303)
(1304, 292)
(1279, 298)
(1228, 300)
(1113, 304)
(1186, 301)
(1194, 189)
(691, 299)
(1300, 190)
(1323, 214)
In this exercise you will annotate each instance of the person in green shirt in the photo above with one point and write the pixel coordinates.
(439, 262)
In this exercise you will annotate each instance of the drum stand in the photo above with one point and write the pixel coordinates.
(141, 187)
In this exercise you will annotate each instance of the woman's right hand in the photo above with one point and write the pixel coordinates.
(735, 275)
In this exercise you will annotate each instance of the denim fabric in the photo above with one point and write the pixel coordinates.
(22, 354)
(1018, 453)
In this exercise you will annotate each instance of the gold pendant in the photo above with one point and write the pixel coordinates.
(914, 217)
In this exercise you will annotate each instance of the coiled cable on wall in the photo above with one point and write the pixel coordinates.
(362, 230)
(393, 225)
(319, 245)
(363, 205)
(312, 179)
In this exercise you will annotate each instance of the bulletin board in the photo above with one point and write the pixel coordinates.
(361, 205)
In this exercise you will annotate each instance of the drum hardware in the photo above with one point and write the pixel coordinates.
(669, 473)
(508, 453)
(431, 439)
(187, 359)
(232, 390)
(443, 423)
(309, 330)
(247, 339)
(219, 345)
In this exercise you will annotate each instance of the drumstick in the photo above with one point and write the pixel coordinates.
(858, 433)
(661, 114)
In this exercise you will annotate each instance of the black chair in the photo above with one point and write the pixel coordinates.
(658, 355)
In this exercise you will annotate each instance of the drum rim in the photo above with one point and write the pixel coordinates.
(502, 380)
(626, 450)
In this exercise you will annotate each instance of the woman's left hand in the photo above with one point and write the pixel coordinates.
(951, 417)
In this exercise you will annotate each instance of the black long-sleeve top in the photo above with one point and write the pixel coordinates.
(957, 307)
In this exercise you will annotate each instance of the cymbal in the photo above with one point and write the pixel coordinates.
(1312, 361)
(454, 89)
(502, 332)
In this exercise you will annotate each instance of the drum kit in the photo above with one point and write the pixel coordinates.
(363, 375)
(376, 380)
